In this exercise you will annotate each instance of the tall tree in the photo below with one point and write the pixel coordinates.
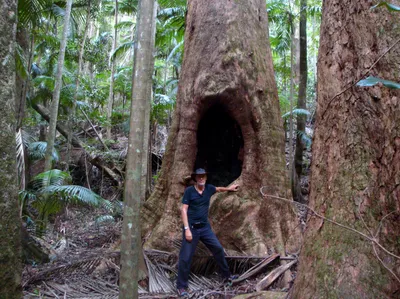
(146, 161)
(112, 79)
(301, 104)
(10, 232)
(226, 119)
(57, 90)
(355, 172)
(142, 74)
(71, 117)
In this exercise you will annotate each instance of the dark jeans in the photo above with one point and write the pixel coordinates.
(207, 236)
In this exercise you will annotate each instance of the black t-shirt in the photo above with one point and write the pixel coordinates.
(198, 203)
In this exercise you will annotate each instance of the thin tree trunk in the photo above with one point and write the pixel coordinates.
(57, 89)
(142, 75)
(71, 118)
(301, 104)
(113, 63)
(146, 168)
(10, 223)
(355, 171)
(26, 86)
(291, 96)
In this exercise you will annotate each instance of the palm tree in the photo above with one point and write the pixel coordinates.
(56, 94)
(142, 74)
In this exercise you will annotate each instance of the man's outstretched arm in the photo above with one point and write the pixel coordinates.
(234, 188)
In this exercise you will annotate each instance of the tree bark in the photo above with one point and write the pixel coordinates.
(112, 62)
(355, 172)
(146, 166)
(142, 82)
(301, 104)
(227, 73)
(57, 89)
(10, 224)
(302, 99)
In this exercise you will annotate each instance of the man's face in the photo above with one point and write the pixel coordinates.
(201, 179)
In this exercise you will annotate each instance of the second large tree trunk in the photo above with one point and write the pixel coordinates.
(355, 173)
(227, 120)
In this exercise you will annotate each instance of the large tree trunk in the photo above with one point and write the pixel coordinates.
(142, 83)
(227, 119)
(10, 224)
(356, 158)
(57, 90)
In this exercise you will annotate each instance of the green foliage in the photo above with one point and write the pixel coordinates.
(297, 112)
(372, 81)
(49, 192)
(389, 6)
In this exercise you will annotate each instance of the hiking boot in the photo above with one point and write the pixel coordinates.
(229, 280)
(183, 293)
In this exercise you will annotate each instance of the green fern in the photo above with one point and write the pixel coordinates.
(50, 191)
(297, 112)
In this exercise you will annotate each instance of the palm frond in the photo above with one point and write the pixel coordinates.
(44, 81)
(297, 112)
(122, 49)
(104, 219)
(30, 12)
(172, 3)
(37, 151)
(20, 62)
(76, 194)
(305, 139)
(25, 196)
(54, 177)
(179, 47)
(125, 24)
(23, 139)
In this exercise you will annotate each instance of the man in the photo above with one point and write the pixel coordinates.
(194, 212)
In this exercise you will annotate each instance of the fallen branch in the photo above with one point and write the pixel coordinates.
(94, 129)
(96, 161)
(256, 269)
(273, 275)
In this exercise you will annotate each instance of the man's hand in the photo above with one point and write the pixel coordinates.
(234, 188)
(188, 235)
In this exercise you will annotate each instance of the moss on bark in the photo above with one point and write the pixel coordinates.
(356, 158)
(10, 233)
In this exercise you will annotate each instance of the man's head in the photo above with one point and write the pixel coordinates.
(200, 176)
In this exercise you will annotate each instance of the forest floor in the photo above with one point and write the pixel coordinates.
(85, 264)
(85, 256)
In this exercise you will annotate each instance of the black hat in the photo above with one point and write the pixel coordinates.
(198, 171)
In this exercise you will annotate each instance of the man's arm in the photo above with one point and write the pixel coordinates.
(230, 188)
(188, 233)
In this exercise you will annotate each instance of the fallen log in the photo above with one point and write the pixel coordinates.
(273, 275)
(94, 160)
(256, 269)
